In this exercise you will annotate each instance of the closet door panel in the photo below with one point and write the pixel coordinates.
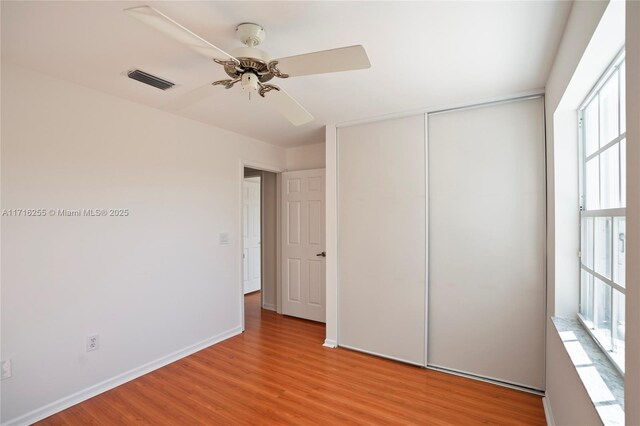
(487, 242)
(381, 238)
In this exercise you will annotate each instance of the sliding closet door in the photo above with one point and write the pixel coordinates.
(381, 238)
(487, 242)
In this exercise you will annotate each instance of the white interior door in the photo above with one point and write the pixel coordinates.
(303, 244)
(487, 242)
(251, 234)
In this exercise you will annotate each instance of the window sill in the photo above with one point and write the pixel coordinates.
(601, 379)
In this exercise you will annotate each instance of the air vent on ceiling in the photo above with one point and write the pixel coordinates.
(149, 79)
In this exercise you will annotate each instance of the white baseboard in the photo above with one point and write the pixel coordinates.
(548, 414)
(419, 364)
(75, 398)
(495, 381)
(330, 343)
(269, 306)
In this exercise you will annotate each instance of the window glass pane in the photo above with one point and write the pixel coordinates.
(602, 191)
(618, 328)
(586, 296)
(610, 178)
(592, 184)
(619, 320)
(623, 106)
(619, 249)
(590, 125)
(602, 239)
(609, 110)
(586, 245)
(623, 172)
(602, 308)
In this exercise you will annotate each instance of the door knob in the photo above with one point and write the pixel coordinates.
(323, 254)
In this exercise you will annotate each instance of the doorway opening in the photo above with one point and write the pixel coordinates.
(259, 242)
(251, 235)
(283, 244)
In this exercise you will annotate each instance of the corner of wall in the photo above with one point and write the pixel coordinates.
(570, 78)
(331, 218)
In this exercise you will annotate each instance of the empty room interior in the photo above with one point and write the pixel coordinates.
(318, 212)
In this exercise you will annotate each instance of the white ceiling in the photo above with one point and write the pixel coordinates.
(422, 54)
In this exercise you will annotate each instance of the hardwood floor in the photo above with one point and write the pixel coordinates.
(278, 372)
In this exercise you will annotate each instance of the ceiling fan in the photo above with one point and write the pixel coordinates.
(253, 68)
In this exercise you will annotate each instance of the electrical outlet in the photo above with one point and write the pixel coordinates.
(93, 342)
(5, 369)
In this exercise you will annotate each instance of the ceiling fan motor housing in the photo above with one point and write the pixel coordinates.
(251, 60)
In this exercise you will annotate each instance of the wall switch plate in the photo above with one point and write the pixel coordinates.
(224, 238)
(5, 369)
(93, 342)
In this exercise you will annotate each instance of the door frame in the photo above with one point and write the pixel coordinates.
(239, 191)
(253, 179)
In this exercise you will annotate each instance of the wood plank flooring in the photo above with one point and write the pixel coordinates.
(278, 372)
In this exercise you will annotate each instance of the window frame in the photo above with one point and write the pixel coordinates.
(612, 213)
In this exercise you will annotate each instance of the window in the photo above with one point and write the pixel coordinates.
(602, 211)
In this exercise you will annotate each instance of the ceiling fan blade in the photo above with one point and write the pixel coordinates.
(194, 96)
(288, 107)
(334, 60)
(155, 19)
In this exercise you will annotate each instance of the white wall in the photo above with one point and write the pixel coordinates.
(632, 376)
(151, 284)
(590, 41)
(565, 392)
(306, 157)
(562, 183)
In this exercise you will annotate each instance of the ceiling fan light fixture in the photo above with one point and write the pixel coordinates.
(249, 81)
